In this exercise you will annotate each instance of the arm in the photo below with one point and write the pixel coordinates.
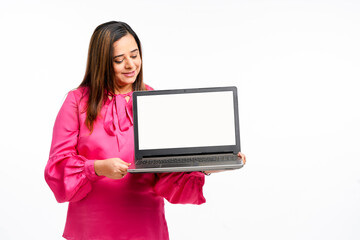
(181, 187)
(68, 174)
(184, 187)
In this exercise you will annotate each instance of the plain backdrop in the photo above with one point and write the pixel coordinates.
(296, 65)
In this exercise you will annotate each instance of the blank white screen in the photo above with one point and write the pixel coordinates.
(186, 120)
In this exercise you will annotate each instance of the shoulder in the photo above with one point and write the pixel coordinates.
(75, 98)
(79, 94)
(148, 88)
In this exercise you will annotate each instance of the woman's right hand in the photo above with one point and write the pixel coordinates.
(113, 168)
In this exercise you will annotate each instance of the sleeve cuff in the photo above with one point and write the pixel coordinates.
(90, 170)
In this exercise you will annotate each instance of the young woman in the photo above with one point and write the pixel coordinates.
(92, 147)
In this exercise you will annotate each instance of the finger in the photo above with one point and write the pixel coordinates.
(123, 175)
(122, 166)
(123, 162)
(120, 175)
(215, 171)
(123, 170)
(243, 157)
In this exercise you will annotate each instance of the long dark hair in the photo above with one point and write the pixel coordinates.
(99, 74)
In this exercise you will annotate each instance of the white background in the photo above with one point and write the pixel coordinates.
(295, 63)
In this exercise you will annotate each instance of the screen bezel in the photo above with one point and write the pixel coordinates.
(139, 154)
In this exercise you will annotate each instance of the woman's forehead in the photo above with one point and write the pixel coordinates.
(125, 44)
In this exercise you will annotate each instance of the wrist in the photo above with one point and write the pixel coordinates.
(98, 167)
(89, 170)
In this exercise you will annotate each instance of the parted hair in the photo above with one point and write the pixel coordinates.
(99, 75)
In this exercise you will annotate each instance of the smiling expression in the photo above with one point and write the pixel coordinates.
(126, 63)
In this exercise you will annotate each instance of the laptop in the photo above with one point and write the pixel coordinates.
(185, 130)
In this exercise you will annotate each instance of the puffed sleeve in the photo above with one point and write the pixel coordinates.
(68, 174)
(181, 187)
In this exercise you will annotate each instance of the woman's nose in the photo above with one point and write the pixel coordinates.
(129, 63)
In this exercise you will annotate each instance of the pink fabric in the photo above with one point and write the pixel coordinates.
(103, 208)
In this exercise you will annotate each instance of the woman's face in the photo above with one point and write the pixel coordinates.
(126, 63)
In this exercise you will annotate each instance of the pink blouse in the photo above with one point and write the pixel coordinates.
(99, 207)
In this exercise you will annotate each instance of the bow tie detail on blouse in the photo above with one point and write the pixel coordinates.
(119, 114)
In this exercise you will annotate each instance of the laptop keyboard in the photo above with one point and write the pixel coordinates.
(188, 159)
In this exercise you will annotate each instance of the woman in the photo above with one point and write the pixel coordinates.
(92, 148)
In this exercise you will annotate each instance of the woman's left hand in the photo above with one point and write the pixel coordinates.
(241, 155)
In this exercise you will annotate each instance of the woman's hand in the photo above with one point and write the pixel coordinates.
(241, 155)
(113, 168)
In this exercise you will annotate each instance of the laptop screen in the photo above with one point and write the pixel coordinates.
(201, 119)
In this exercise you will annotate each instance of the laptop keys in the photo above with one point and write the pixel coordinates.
(186, 160)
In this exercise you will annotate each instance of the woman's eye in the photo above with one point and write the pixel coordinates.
(135, 56)
(118, 62)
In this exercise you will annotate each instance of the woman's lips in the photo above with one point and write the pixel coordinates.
(129, 74)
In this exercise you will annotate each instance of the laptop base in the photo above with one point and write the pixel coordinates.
(193, 166)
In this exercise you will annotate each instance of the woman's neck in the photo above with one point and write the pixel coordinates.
(123, 89)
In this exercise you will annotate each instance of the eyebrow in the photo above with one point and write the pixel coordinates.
(123, 54)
